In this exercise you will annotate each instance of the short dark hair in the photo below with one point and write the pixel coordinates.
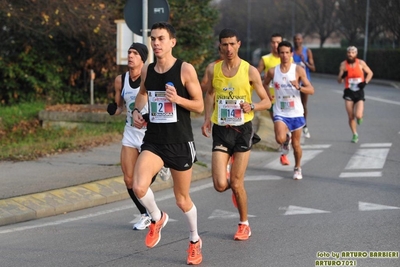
(228, 33)
(276, 35)
(166, 26)
(286, 44)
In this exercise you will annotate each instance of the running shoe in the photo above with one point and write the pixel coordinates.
(355, 138)
(143, 222)
(165, 174)
(284, 160)
(359, 121)
(154, 234)
(297, 174)
(306, 132)
(194, 253)
(243, 232)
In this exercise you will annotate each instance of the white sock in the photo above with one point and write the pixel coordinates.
(245, 222)
(191, 216)
(150, 204)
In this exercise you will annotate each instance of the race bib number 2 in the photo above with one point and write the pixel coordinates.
(161, 110)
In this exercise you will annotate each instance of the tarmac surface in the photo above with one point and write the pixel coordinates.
(72, 181)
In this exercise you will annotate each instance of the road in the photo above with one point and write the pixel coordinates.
(346, 207)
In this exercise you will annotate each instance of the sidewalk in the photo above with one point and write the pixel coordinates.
(73, 181)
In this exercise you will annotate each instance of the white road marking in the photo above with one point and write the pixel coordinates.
(315, 146)
(225, 214)
(374, 98)
(368, 159)
(263, 178)
(365, 206)
(376, 145)
(307, 156)
(360, 174)
(295, 210)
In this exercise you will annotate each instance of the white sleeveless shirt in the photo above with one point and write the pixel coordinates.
(287, 97)
(129, 95)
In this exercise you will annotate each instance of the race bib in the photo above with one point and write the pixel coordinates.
(353, 84)
(161, 110)
(230, 112)
(287, 103)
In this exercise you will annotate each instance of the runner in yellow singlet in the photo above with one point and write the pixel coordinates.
(269, 61)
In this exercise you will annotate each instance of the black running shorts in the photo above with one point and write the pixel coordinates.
(179, 157)
(231, 139)
(354, 96)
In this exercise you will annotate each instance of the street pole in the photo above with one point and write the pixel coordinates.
(293, 18)
(92, 77)
(366, 31)
(145, 28)
(248, 29)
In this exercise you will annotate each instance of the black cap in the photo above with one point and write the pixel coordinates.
(141, 49)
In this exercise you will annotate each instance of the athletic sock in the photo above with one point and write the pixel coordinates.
(191, 216)
(139, 205)
(150, 203)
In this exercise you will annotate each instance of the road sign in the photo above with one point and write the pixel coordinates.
(158, 10)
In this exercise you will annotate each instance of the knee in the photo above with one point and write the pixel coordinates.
(236, 186)
(139, 191)
(184, 203)
(280, 140)
(296, 147)
(221, 187)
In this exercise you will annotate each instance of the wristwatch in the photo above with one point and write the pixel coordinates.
(252, 106)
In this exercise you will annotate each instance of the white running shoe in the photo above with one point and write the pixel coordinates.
(143, 222)
(306, 132)
(165, 174)
(297, 174)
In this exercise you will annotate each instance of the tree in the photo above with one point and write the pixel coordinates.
(322, 15)
(49, 46)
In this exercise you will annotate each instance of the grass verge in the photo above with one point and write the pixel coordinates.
(23, 138)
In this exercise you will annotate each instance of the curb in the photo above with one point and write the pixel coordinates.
(64, 200)
(60, 201)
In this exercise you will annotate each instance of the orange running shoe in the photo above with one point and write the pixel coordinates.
(194, 253)
(284, 160)
(243, 232)
(154, 234)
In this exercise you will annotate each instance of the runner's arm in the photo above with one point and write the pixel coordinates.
(310, 64)
(255, 79)
(342, 69)
(192, 84)
(305, 86)
(368, 72)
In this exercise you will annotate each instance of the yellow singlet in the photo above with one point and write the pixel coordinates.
(271, 61)
(229, 93)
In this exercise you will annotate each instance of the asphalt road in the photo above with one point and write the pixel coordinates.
(346, 208)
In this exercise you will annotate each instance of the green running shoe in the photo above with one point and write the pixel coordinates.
(355, 138)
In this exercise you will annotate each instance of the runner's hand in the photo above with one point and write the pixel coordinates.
(361, 85)
(112, 108)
